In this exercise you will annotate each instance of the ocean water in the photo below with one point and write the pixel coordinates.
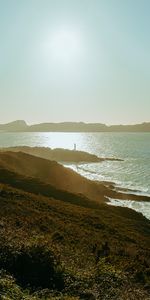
(134, 148)
(142, 207)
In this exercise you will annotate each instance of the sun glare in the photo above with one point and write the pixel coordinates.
(64, 46)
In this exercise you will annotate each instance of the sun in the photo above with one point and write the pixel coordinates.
(64, 46)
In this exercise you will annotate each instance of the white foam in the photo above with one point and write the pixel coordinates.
(89, 171)
(142, 207)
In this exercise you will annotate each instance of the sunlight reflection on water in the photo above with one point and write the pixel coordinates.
(134, 148)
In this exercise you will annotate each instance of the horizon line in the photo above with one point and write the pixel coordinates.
(77, 122)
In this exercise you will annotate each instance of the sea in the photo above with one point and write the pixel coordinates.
(133, 172)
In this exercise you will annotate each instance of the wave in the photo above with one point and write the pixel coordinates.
(142, 207)
(122, 186)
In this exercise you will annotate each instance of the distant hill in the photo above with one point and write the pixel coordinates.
(22, 126)
(19, 125)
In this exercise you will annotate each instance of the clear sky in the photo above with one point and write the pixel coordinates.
(75, 60)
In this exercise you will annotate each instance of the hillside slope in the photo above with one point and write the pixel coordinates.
(61, 178)
(51, 172)
(101, 253)
(58, 237)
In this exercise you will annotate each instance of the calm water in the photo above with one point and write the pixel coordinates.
(133, 148)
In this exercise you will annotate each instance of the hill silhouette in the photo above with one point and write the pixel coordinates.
(73, 127)
(19, 125)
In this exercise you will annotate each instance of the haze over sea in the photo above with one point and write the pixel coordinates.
(133, 148)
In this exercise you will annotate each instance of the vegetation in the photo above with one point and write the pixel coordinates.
(54, 247)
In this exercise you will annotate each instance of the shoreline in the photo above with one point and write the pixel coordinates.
(118, 186)
(134, 205)
(61, 155)
(80, 158)
(104, 191)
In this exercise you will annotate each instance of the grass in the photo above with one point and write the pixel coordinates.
(49, 246)
(59, 245)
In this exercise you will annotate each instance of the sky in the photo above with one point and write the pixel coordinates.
(75, 60)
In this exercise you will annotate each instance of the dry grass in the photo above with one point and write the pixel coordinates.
(59, 245)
